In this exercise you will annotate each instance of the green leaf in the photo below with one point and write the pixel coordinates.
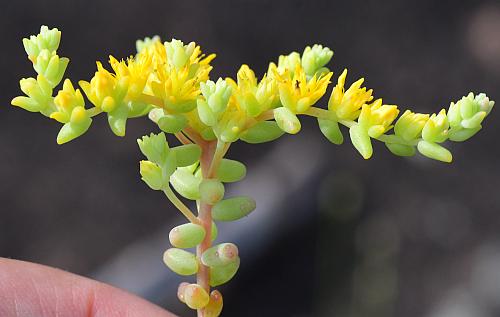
(195, 296)
(231, 171)
(211, 191)
(287, 120)
(434, 151)
(180, 261)
(460, 135)
(401, 149)
(361, 141)
(233, 208)
(331, 130)
(70, 130)
(187, 154)
(223, 274)
(261, 132)
(172, 123)
(187, 235)
(117, 120)
(220, 255)
(186, 184)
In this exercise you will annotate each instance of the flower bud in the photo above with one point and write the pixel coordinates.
(178, 54)
(180, 261)
(211, 191)
(410, 125)
(314, 58)
(187, 235)
(216, 95)
(436, 128)
(195, 296)
(152, 175)
(154, 147)
(233, 208)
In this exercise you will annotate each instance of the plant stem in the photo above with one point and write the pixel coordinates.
(211, 156)
(180, 205)
(182, 138)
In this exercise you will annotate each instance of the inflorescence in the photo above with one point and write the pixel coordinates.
(169, 82)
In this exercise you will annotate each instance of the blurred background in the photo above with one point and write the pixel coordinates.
(333, 235)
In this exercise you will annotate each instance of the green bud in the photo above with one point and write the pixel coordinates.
(206, 114)
(287, 120)
(261, 132)
(177, 53)
(187, 154)
(230, 171)
(216, 95)
(211, 191)
(186, 184)
(223, 274)
(434, 151)
(187, 235)
(314, 58)
(331, 130)
(152, 175)
(195, 296)
(45, 40)
(220, 255)
(401, 149)
(154, 147)
(436, 128)
(410, 125)
(180, 261)
(233, 208)
(214, 307)
(172, 123)
(361, 141)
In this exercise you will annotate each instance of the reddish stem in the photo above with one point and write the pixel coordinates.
(205, 217)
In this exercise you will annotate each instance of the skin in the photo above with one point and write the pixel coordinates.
(33, 290)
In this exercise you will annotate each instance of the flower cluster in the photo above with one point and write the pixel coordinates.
(169, 82)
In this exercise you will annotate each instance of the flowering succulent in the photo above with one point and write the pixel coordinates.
(169, 83)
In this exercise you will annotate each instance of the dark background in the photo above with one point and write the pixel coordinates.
(346, 237)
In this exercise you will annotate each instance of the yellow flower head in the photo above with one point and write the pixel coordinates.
(105, 90)
(136, 70)
(232, 122)
(296, 92)
(178, 84)
(254, 97)
(347, 104)
(67, 100)
(377, 118)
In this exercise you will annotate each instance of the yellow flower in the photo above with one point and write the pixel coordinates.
(69, 102)
(179, 87)
(232, 122)
(377, 118)
(296, 92)
(254, 97)
(347, 104)
(136, 70)
(105, 90)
